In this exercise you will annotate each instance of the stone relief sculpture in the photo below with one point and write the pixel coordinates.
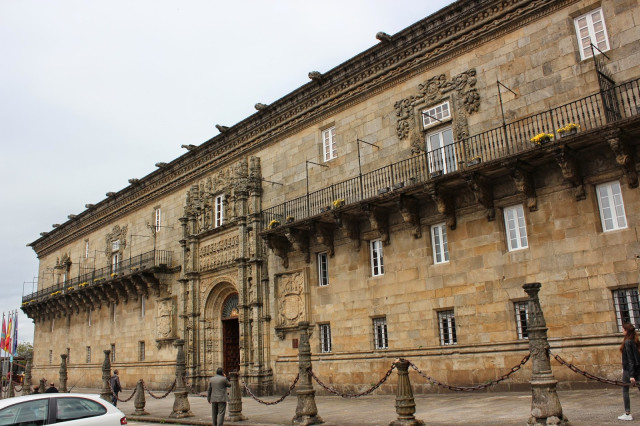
(164, 320)
(290, 297)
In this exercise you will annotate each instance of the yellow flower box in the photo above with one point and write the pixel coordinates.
(541, 138)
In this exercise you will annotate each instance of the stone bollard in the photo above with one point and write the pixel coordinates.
(106, 393)
(43, 385)
(11, 391)
(26, 385)
(405, 404)
(139, 402)
(181, 407)
(306, 410)
(235, 399)
(63, 373)
(545, 404)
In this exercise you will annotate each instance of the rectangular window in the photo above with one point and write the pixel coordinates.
(516, 228)
(377, 261)
(439, 243)
(329, 144)
(115, 245)
(68, 356)
(86, 249)
(522, 319)
(142, 306)
(441, 151)
(113, 312)
(50, 356)
(219, 210)
(436, 114)
(89, 317)
(158, 220)
(611, 206)
(115, 260)
(380, 337)
(88, 354)
(113, 352)
(325, 338)
(141, 351)
(590, 28)
(627, 307)
(447, 322)
(323, 269)
(53, 324)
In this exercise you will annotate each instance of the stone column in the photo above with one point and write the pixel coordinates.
(235, 399)
(545, 404)
(26, 385)
(181, 407)
(139, 402)
(106, 393)
(43, 386)
(306, 410)
(405, 404)
(63, 373)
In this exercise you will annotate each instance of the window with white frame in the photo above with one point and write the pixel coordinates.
(380, 337)
(325, 338)
(522, 319)
(53, 322)
(323, 269)
(219, 210)
(158, 220)
(439, 243)
(627, 307)
(89, 317)
(141, 350)
(515, 227)
(86, 249)
(447, 324)
(611, 206)
(115, 260)
(113, 312)
(377, 259)
(441, 151)
(329, 148)
(115, 245)
(435, 115)
(113, 352)
(591, 29)
(88, 354)
(142, 306)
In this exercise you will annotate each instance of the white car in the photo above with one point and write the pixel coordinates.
(51, 408)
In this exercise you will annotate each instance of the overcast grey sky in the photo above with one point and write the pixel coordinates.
(93, 93)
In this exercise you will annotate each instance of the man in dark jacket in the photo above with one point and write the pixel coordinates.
(217, 397)
(114, 381)
(52, 388)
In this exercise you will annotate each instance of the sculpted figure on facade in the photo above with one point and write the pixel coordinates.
(164, 324)
(291, 306)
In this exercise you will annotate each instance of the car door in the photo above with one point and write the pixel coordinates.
(81, 411)
(29, 413)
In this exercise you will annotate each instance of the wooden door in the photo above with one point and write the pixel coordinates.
(231, 345)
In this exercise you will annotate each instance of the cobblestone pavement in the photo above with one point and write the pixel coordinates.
(582, 407)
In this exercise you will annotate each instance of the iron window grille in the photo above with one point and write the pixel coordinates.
(325, 338)
(380, 336)
(627, 307)
(447, 322)
(522, 319)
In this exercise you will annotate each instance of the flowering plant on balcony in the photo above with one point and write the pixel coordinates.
(83, 284)
(55, 293)
(571, 127)
(290, 219)
(541, 138)
(114, 275)
(338, 203)
(70, 288)
(274, 224)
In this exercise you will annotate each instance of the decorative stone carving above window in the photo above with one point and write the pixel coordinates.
(461, 93)
(117, 234)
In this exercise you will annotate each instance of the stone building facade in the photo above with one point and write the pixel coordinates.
(397, 203)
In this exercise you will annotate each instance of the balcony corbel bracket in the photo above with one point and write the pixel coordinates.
(324, 236)
(483, 193)
(624, 156)
(351, 227)
(280, 247)
(570, 169)
(299, 239)
(523, 181)
(444, 204)
(379, 220)
(410, 210)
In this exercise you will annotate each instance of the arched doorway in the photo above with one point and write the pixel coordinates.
(230, 334)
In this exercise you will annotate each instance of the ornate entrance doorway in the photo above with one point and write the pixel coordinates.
(230, 334)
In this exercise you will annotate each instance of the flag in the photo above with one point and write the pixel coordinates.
(7, 338)
(14, 350)
(4, 332)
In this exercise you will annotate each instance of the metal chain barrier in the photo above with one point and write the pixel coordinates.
(293, 385)
(353, 395)
(122, 400)
(589, 375)
(471, 388)
(18, 390)
(173, 386)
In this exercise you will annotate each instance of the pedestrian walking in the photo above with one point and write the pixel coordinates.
(630, 365)
(217, 397)
(52, 388)
(114, 383)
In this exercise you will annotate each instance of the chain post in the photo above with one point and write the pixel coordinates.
(235, 399)
(106, 375)
(139, 402)
(306, 410)
(405, 403)
(181, 407)
(545, 404)
(63, 373)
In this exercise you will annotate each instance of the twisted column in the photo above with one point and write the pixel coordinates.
(139, 401)
(545, 404)
(26, 385)
(106, 393)
(181, 407)
(235, 399)
(405, 404)
(306, 410)
(63, 373)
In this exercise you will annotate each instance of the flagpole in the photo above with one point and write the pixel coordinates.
(4, 330)
(11, 355)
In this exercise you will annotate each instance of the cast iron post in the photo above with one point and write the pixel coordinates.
(306, 410)
(106, 393)
(545, 404)
(235, 399)
(26, 385)
(405, 404)
(181, 407)
(63, 373)
(139, 402)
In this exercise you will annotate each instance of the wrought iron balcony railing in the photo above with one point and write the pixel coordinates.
(142, 262)
(619, 103)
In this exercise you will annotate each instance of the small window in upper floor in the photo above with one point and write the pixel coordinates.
(377, 258)
(590, 28)
(219, 210)
(323, 269)
(86, 249)
(329, 148)
(158, 219)
(88, 354)
(436, 115)
(516, 228)
(115, 245)
(141, 350)
(113, 352)
(611, 206)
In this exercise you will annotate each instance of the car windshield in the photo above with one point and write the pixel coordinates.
(30, 413)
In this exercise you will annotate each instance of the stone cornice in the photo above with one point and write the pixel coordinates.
(426, 44)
